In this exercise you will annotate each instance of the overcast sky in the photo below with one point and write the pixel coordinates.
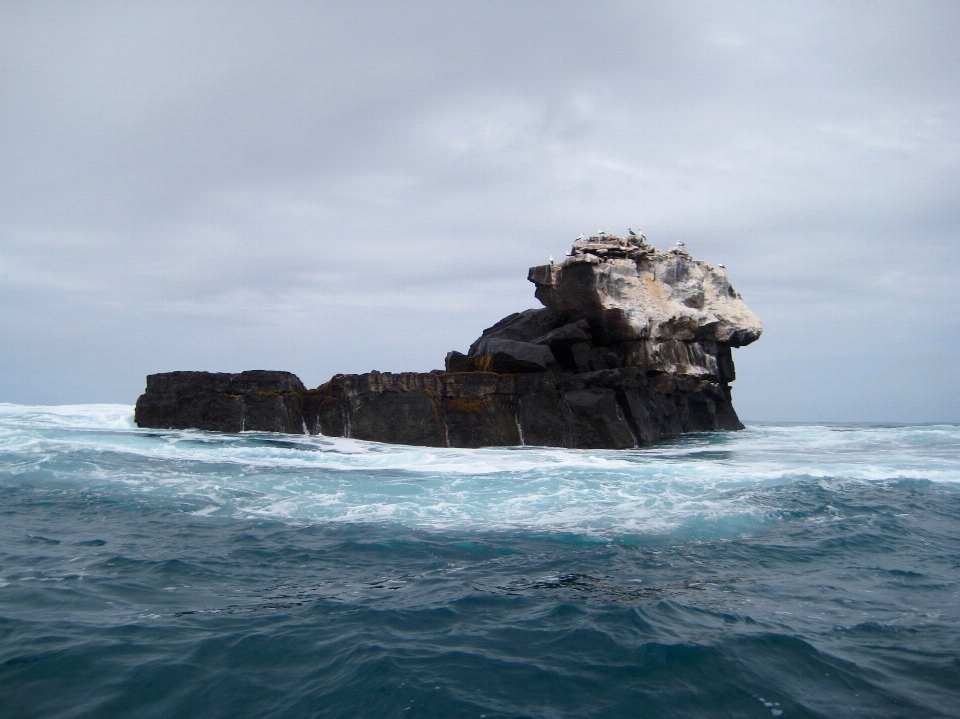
(332, 187)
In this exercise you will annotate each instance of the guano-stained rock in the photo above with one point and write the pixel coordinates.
(629, 290)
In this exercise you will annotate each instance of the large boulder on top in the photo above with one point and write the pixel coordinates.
(629, 290)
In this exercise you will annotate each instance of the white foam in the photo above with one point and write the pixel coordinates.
(697, 481)
(92, 416)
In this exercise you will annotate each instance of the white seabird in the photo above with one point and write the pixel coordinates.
(632, 233)
(579, 238)
(722, 267)
(680, 244)
(551, 259)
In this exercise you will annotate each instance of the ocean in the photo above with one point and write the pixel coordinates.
(782, 571)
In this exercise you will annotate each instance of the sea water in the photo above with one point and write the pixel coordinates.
(781, 571)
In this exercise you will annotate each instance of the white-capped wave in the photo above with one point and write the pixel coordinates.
(68, 416)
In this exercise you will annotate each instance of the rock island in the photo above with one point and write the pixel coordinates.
(633, 344)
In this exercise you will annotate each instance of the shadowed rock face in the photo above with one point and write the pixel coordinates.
(607, 409)
(255, 400)
(633, 345)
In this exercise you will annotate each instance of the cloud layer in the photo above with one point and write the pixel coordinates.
(336, 187)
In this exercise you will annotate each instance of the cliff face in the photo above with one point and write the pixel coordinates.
(616, 408)
(633, 344)
(254, 400)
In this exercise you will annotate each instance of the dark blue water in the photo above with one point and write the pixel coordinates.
(781, 571)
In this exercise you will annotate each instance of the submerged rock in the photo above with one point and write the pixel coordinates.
(633, 344)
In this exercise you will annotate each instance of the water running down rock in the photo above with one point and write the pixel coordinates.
(633, 344)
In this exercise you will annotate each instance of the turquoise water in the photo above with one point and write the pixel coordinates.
(795, 571)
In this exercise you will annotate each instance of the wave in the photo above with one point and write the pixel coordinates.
(712, 484)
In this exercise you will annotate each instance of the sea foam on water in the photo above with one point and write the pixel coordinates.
(712, 478)
(784, 570)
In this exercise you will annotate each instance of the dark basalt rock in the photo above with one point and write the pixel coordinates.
(610, 408)
(509, 356)
(634, 345)
(254, 400)
(523, 326)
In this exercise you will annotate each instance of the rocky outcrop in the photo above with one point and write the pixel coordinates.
(616, 408)
(629, 290)
(255, 400)
(633, 344)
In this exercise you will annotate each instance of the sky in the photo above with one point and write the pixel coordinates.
(328, 187)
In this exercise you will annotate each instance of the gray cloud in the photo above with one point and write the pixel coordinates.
(328, 187)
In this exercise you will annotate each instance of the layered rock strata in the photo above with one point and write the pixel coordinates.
(633, 344)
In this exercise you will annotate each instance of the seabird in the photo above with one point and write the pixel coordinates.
(551, 259)
(632, 233)
(601, 233)
(680, 244)
(579, 238)
(722, 267)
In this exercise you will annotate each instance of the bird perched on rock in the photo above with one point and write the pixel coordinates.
(601, 233)
(551, 259)
(680, 244)
(579, 238)
(632, 233)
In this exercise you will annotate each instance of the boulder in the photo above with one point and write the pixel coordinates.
(523, 326)
(640, 292)
(569, 334)
(508, 356)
